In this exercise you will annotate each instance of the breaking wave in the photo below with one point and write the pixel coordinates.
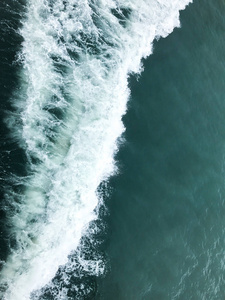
(76, 58)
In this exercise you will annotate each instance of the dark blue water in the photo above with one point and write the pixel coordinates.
(12, 158)
(164, 231)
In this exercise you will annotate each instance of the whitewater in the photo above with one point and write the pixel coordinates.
(75, 61)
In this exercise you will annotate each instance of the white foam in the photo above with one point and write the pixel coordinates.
(69, 157)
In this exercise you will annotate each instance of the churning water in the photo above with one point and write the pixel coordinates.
(74, 63)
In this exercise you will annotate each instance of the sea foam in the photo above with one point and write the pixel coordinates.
(76, 57)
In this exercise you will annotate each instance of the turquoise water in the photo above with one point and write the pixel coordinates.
(156, 222)
(167, 210)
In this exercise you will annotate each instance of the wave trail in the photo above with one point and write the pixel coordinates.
(76, 58)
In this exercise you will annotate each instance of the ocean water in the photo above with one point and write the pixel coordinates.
(167, 209)
(104, 198)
